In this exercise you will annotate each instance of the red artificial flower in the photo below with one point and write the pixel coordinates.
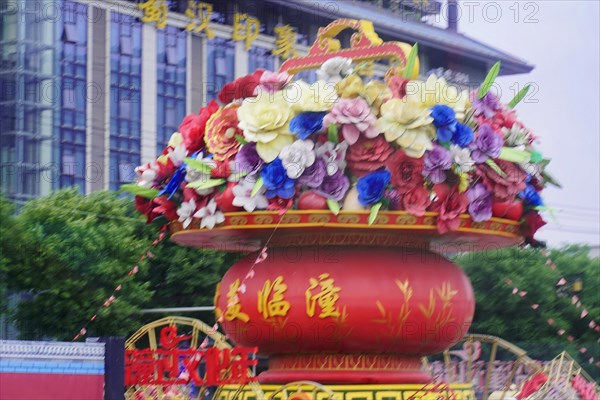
(221, 170)
(451, 205)
(406, 171)
(397, 85)
(241, 88)
(165, 207)
(416, 201)
(531, 223)
(277, 203)
(504, 188)
(368, 155)
(193, 126)
(145, 207)
(221, 131)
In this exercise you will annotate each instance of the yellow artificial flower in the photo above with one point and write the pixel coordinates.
(437, 91)
(265, 120)
(463, 183)
(376, 93)
(350, 87)
(320, 96)
(408, 123)
(175, 140)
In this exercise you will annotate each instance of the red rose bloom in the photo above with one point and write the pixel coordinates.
(193, 126)
(416, 201)
(144, 207)
(241, 88)
(406, 171)
(451, 207)
(368, 155)
(506, 187)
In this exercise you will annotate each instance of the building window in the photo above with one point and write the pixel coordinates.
(171, 83)
(259, 57)
(125, 98)
(73, 106)
(221, 67)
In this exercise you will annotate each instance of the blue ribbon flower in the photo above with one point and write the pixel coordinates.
(276, 180)
(174, 182)
(372, 186)
(305, 124)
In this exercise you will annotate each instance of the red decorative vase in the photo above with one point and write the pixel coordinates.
(337, 300)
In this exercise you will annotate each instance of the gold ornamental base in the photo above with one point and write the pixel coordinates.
(314, 391)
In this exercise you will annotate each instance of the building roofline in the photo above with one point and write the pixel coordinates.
(425, 35)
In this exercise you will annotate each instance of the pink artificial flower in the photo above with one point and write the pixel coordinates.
(273, 81)
(355, 117)
(397, 85)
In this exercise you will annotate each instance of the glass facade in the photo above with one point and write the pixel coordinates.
(29, 97)
(125, 98)
(259, 57)
(72, 116)
(220, 65)
(171, 83)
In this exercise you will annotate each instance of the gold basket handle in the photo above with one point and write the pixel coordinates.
(365, 45)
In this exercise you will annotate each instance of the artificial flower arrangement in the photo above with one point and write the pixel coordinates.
(344, 143)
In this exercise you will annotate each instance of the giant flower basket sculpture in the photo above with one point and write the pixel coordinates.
(344, 192)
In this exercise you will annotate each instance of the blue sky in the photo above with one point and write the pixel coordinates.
(561, 38)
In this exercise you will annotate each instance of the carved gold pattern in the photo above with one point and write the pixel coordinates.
(319, 219)
(407, 219)
(239, 220)
(348, 219)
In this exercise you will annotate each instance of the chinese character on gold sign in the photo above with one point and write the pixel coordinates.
(155, 11)
(271, 302)
(285, 41)
(200, 14)
(326, 297)
(234, 308)
(245, 27)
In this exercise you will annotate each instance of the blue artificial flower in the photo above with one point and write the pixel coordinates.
(444, 119)
(305, 124)
(174, 182)
(372, 186)
(276, 180)
(531, 197)
(463, 135)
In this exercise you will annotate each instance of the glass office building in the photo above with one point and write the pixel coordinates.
(91, 89)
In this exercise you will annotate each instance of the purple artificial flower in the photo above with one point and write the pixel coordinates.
(486, 145)
(247, 159)
(334, 186)
(486, 106)
(394, 197)
(480, 203)
(437, 161)
(313, 175)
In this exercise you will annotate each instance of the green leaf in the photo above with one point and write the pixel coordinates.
(198, 165)
(495, 167)
(536, 157)
(259, 184)
(520, 96)
(138, 190)
(241, 139)
(410, 62)
(334, 206)
(206, 184)
(374, 212)
(332, 133)
(551, 180)
(514, 155)
(489, 80)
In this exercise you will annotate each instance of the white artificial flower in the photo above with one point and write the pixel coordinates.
(147, 174)
(517, 137)
(334, 69)
(334, 156)
(462, 158)
(186, 212)
(243, 195)
(209, 215)
(297, 156)
(177, 154)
